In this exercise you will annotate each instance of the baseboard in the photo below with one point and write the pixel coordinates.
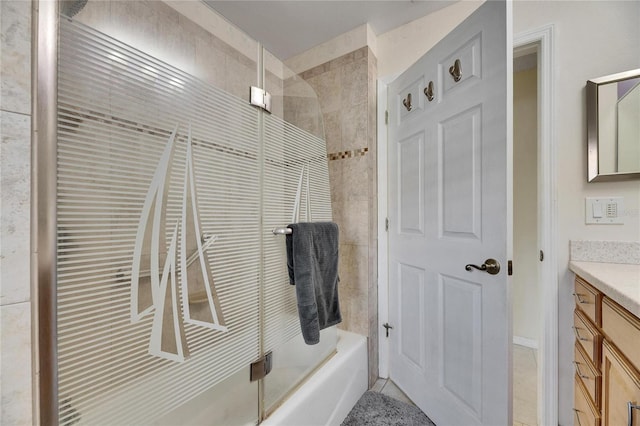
(523, 341)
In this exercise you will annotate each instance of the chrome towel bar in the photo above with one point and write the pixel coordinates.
(282, 231)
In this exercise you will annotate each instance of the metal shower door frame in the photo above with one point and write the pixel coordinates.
(45, 23)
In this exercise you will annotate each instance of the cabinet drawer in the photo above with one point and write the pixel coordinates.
(586, 414)
(588, 299)
(588, 373)
(587, 335)
(623, 329)
(620, 386)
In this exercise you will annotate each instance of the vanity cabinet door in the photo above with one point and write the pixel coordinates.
(620, 389)
(588, 299)
(623, 329)
(588, 374)
(587, 335)
(585, 412)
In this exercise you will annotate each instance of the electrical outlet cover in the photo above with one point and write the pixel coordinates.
(604, 210)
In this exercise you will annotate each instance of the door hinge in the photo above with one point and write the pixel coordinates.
(386, 224)
(509, 268)
(260, 98)
(261, 367)
(388, 327)
(541, 255)
(386, 117)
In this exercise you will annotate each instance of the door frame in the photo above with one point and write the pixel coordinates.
(542, 39)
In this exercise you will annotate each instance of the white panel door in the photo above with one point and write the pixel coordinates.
(449, 206)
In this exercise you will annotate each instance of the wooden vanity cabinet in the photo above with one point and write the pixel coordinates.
(588, 336)
(588, 349)
(589, 300)
(589, 375)
(585, 412)
(607, 360)
(621, 389)
(623, 329)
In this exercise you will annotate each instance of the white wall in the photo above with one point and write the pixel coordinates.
(396, 49)
(526, 304)
(401, 47)
(331, 49)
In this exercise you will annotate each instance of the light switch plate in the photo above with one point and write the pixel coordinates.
(604, 210)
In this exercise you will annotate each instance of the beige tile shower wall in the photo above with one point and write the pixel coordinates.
(301, 106)
(346, 89)
(15, 207)
(212, 49)
(372, 165)
(158, 29)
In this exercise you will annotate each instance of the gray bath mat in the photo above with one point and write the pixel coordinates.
(376, 409)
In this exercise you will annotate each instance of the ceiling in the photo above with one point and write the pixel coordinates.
(287, 28)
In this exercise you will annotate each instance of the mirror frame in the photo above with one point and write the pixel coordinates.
(593, 168)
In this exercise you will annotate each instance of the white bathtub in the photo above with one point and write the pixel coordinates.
(325, 398)
(331, 392)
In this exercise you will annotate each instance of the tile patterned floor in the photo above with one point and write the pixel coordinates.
(525, 367)
(525, 399)
(387, 387)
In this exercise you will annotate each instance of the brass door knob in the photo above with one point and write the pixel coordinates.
(490, 266)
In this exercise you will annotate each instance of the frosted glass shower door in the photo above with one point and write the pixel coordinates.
(169, 280)
(295, 189)
(158, 221)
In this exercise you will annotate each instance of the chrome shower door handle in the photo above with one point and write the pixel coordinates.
(490, 266)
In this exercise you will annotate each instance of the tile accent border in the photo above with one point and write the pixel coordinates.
(347, 154)
(606, 251)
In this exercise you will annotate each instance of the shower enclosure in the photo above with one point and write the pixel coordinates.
(170, 292)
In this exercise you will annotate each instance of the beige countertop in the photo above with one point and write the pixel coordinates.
(618, 281)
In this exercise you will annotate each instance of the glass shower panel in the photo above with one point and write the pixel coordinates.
(158, 220)
(295, 189)
(293, 99)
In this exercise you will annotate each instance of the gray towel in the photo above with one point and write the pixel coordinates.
(312, 262)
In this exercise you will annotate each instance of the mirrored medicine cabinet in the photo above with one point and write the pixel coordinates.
(613, 127)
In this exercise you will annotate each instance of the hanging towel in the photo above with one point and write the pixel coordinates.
(312, 263)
